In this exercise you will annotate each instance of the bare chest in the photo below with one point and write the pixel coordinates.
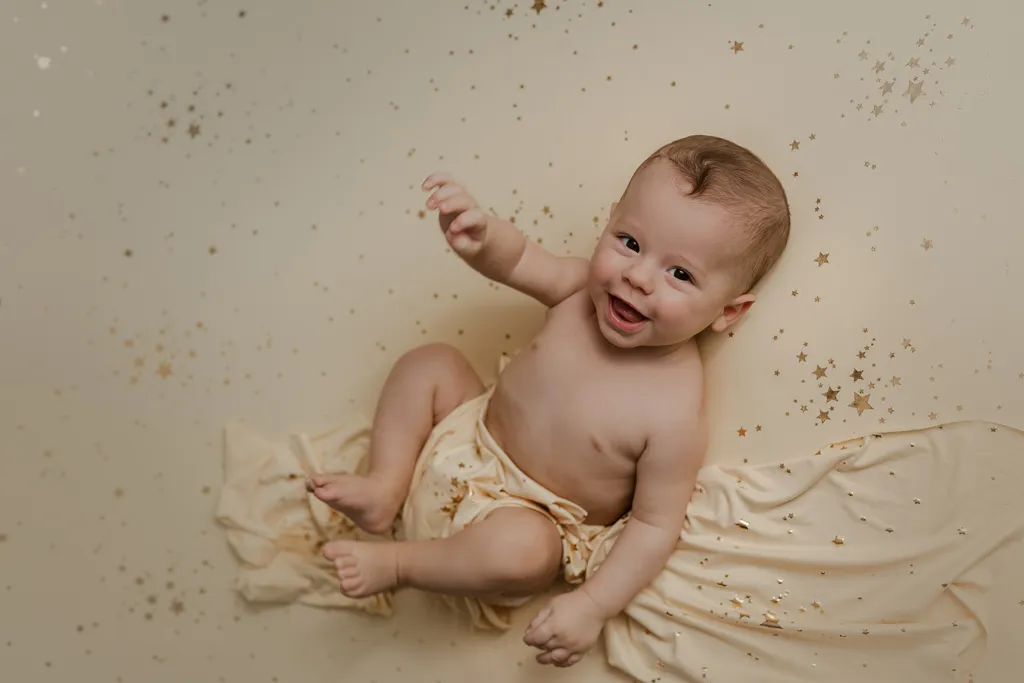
(573, 419)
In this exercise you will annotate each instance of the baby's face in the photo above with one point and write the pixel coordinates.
(664, 268)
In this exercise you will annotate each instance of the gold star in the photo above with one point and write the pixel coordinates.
(876, 110)
(857, 374)
(895, 381)
(822, 259)
(193, 130)
(795, 145)
(819, 372)
(509, 12)
(538, 5)
(860, 402)
(802, 358)
(879, 67)
(906, 343)
(863, 54)
(926, 244)
(887, 87)
(933, 416)
(822, 415)
(950, 62)
(177, 607)
(737, 46)
(913, 63)
(164, 370)
(831, 394)
(741, 431)
(914, 90)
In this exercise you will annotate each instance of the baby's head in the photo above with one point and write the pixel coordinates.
(701, 221)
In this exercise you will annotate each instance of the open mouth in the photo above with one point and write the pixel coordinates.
(624, 312)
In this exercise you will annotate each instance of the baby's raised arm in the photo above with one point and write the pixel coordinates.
(498, 250)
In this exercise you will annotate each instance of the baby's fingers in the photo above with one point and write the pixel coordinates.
(451, 202)
(436, 179)
(470, 220)
(558, 657)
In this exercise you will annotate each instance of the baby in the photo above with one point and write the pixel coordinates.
(597, 425)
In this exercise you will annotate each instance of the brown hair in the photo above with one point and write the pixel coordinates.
(727, 174)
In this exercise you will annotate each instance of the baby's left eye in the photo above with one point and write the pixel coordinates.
(681, 274)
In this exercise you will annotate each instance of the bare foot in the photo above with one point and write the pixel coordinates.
(367, 502)
(364, 567)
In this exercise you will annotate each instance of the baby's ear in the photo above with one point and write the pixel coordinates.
(733, 311)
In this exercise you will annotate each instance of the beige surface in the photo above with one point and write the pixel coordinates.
(159, 281)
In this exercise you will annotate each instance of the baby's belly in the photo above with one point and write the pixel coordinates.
(604, 492)
(600, 484)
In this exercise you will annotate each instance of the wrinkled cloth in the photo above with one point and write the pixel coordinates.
(870, 560)
(277, 529)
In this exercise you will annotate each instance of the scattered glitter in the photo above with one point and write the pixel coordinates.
(743, 524)
(838, 540)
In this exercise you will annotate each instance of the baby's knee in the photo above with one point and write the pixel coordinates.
(528, 555)
(434, 353)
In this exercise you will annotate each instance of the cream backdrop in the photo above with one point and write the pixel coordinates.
(211, 212)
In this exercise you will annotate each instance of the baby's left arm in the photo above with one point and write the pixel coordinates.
(665, 476)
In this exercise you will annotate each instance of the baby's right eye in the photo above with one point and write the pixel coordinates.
(630, 243)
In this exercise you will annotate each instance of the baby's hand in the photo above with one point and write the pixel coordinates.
(463, 222)
(565, 629)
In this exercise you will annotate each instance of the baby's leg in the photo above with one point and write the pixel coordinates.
(424, 386)
(513, 552)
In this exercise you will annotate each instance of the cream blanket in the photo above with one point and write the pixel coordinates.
(865, 561)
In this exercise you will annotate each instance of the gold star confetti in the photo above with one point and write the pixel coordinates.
(838, 540)
(802, 357)
(860, 402)
(926, 244)
(741, 431)
(164, 370)
(831, 395)
(823, 416)
(737, 46)
(795, 145)
(193, 130)
(538, 5)
(914, 90)
(822, 259)
(857, 375)
(819, 372)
